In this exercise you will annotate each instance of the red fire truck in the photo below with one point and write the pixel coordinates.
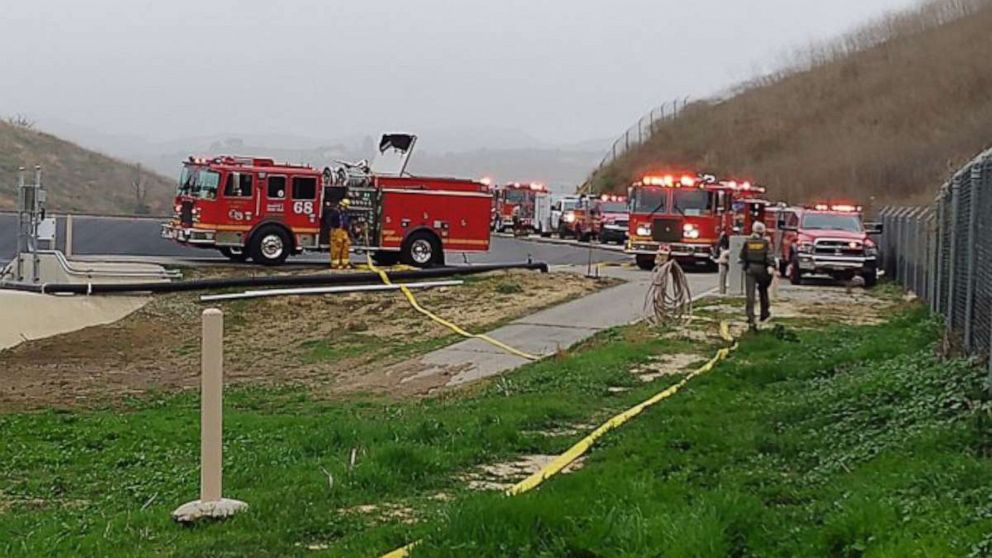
(613, 211)
(686, 214)
(584, 221)
(254, 207)
(828, 240)
(528, 200)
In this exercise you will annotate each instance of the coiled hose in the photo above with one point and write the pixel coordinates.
(669, 299)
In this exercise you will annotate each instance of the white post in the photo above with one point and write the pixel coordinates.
(68, 236)
(736, 282)
(211, 405)
(211, 504)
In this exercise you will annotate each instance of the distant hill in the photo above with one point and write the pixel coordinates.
(504, 154)
(886, 112)
(77, 180)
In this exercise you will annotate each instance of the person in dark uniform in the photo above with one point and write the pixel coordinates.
(759, 266)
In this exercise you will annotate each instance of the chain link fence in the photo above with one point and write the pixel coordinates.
(943, 254)
(636, 135)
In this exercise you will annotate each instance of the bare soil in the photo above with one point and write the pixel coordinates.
(502, 476)
(808, 306)
(315, 341)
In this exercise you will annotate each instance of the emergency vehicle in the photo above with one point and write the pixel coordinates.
(254, 207)
(615, 219)
(684, 216)
(827, 240)
(582, 220)
(531, 201)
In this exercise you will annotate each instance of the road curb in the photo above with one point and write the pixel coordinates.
(562, 242)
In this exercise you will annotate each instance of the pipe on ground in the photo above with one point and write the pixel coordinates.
(267, 281)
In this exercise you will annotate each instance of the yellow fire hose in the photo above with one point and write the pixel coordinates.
(583, 445)
(453, 327)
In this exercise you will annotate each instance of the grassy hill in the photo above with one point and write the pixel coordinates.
(886, 112)
(77, 179)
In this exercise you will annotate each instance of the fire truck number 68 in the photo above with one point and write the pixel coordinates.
(305, 208)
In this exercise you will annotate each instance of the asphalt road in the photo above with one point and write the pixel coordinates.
(121, 236)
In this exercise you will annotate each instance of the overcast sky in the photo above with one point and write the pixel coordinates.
(561, 70)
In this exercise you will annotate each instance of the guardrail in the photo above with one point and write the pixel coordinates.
(943, 253)
(97, 215)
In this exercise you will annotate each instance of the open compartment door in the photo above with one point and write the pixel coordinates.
(394, 153)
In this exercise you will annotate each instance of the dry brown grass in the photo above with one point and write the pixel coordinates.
(77, 179)
(885, 112)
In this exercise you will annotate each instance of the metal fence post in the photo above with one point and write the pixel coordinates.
(950, 271)
(939, 268)
(974, 177)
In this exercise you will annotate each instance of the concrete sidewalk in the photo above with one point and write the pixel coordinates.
(543, 333)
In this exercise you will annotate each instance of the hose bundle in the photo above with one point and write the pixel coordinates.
(668, 299)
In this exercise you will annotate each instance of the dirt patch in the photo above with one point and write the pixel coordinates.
(812, 304)
(665, 365)
(502, 476)
(320, 342)
(385, 512)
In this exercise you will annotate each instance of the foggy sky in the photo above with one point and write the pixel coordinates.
(561, 70)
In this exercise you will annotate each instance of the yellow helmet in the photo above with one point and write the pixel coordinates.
(345, 202)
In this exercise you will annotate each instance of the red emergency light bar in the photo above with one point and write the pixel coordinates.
(841, 208)
(537, 186)
(671, 181)
(609, 198)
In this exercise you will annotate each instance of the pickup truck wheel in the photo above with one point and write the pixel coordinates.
(795, 275)
(270, 245)
(422, 249)
(234, 254)
(871, 278)
(645, 262)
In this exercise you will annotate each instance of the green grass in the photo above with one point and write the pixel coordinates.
(840, 443)
(103, 482)
(844, 442)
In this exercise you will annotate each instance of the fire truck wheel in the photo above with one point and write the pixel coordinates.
(386, 258)
(234, 254)
(422, 249)
(645, 262)
(871, 279)
(270, 245)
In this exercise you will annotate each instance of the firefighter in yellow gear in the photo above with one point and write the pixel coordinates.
(340, 239)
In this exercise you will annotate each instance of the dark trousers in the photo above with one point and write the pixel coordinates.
(756, 277)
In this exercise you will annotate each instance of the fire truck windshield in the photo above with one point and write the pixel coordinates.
(832, 221)
(517, 196)
(649, 200)
(693, 202)
(198, 182)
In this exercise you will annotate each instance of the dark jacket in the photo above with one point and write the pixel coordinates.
(757, 253)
